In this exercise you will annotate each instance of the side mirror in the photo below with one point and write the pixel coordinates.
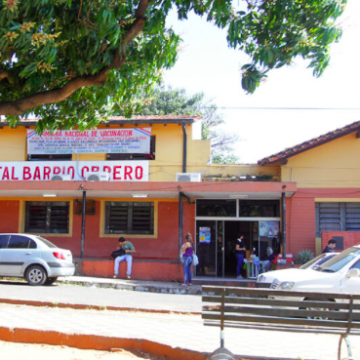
(353, 273)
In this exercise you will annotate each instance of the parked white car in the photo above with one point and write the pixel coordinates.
(341, 274)
(265, 280)
(34, 258)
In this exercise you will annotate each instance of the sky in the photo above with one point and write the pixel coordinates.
(292, 106)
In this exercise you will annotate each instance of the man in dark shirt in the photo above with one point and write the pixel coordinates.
(330, 247)
(240, 251)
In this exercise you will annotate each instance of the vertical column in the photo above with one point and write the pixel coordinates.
(283, 221)
(181, 219)
(83, 225)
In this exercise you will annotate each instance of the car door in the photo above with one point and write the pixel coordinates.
(3, 244)
(15, 255)
(351, 285)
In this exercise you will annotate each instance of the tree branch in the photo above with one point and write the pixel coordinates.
(18, 107)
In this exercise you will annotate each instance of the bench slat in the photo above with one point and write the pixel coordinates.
(283, 312)
(278, 302)
(326, 324)
(268, 292)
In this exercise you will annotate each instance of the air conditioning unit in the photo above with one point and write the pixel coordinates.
(61, 177)
(96, 176)
(188, 177)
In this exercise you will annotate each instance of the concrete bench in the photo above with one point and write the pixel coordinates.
(309, 312)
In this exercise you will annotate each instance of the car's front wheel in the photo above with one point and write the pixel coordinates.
(35, 275)
(50, 281)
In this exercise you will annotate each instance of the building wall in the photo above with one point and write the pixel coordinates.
(9, 210)
(300, 224)
(351, 238)
(165, 246)
(13, 144)
(332, 165)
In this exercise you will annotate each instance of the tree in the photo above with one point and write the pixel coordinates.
(64, 60)
(177, 102)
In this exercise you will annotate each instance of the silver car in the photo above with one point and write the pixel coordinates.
(34, 258)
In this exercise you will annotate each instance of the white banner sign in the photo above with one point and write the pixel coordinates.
(73, 170)
(104, 141)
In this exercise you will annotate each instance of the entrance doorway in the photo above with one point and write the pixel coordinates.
(216, 242)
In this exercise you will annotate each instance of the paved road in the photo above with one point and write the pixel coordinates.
(100, 297)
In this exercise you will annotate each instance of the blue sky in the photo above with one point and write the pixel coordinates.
(207, 65)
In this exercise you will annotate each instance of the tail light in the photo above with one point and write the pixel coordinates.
(59, 255)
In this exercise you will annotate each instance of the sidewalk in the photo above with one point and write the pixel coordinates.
(164, 323)
(172, 331)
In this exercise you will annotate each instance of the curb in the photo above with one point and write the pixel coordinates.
(178, 290)
(95, 342)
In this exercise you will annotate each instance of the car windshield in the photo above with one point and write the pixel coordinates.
(46, 242)
(317, 260)
(338, 262)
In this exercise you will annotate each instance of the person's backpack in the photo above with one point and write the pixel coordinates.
(117, 253)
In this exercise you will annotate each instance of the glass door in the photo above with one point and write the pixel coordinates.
(206, 248)
(210, 248)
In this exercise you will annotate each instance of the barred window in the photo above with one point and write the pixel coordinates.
(135, 218)
(337, 216)
(43, 217)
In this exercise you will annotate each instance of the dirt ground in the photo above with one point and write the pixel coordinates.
(20, 351)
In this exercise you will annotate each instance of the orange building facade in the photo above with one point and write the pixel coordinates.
(86, 199)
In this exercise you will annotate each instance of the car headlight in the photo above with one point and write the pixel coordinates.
(287, 285)
(261, 278)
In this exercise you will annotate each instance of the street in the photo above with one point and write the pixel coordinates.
(92, 296)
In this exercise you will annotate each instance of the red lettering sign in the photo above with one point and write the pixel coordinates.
(127, 173)
(47, 171)
(5, 174)
(117, 172)
(83, 170)
(138, 172)
(13, 177)
(26, 173)
(37, 173)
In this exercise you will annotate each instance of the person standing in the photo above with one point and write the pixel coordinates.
(330, 246)
(129, 249)
(240, 252)
(187, 252)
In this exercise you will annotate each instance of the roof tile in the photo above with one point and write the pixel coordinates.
(309, 144)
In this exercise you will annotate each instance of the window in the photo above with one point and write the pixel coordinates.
(18, 242)
(216, 208)
(135, 156)
(129, 218)
(56, 157)
(337, 217)
(259, 208)
(47, 217)
(3, 240)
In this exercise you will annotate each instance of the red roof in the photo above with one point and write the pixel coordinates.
(310, 144)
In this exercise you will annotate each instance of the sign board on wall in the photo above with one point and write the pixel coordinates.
(101, 141)
(74, 170)
(205, 235)
(269, 228)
